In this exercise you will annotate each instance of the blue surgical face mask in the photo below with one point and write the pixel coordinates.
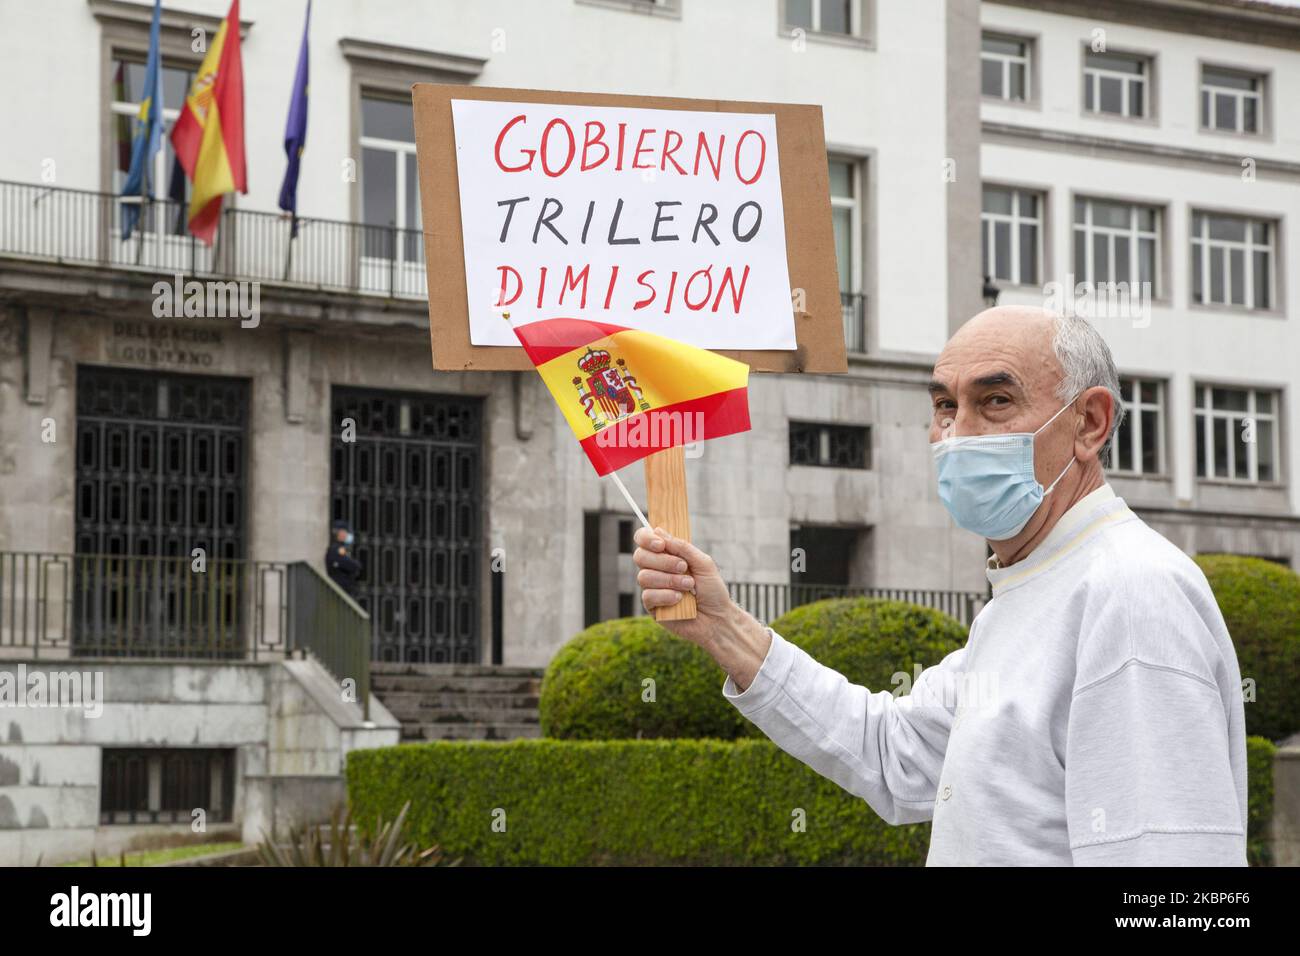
(347, 537)
(987, 482)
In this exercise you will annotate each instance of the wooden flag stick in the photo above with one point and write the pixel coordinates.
(665, 484)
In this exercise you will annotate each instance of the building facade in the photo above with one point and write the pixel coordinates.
(1157, 143)
(485, 536)
(168, 481)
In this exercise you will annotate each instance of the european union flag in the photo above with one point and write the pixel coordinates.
(148, 136)
(295, 131)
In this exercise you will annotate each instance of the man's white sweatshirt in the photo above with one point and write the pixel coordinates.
(1094, 717)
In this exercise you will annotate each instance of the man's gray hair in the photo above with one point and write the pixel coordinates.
(1086, 359)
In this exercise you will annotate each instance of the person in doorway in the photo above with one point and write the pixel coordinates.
(340, 565)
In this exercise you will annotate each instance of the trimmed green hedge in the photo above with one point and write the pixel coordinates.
(593, 688)
(1259, 799)
(623, 802)
(647, 802)
(869, 640)
(1260, 601)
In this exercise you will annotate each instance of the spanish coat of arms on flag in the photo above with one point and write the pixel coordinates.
(628, 393)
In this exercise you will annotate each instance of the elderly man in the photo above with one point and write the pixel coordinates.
(1095, 715)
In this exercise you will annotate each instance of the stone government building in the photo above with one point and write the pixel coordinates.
(129, 440)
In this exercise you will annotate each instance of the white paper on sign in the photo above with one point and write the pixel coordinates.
(665, 220)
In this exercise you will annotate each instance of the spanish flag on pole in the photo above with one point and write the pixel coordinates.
(628, 394)
(209, 133)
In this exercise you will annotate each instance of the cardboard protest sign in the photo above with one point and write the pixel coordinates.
(704, 221)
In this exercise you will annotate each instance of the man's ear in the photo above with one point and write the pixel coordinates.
(1098, 407)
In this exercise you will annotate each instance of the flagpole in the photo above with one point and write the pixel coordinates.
(630, 500)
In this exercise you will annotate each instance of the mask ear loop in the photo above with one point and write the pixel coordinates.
(1059, 477)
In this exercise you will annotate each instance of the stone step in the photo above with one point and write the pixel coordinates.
(451, 715)
(430, 684)
(469, 731)
(454, 670)
(460, 701)
(412, 703)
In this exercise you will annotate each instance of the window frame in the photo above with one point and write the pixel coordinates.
(1262, 94)
(655, 8)
(1134, 234)
(1200, 245)
(1148, 75)
(131, 110)
(1030, 58)
(824, 437)
(987, 234)
(862, 22)
(1203, 417)
(1133, 419)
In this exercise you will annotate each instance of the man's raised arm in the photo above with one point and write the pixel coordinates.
(887, 750)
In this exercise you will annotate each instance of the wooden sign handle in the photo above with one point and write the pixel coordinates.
(665, 484)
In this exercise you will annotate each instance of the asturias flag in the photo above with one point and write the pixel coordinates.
(295, 131)
(209, 134)
(149, 135)
(628, 394)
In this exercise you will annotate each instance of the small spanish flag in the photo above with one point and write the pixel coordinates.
(628, 394)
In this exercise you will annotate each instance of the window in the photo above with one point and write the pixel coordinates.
(671, 8)
(1237, 433)
(828, 556)
(609, 577)
(1231, 101)
(166, 179)
(846, 222)
(1116, 242)
(830, 446)
(1004, 67)
(390, 197)
(1116, 83)
(1232, 261)
(166, 785)
(823, 16)
(1012, 234)
(1139, 446)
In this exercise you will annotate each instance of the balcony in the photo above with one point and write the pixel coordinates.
(81, 227)
(61, 606)
(769, 601)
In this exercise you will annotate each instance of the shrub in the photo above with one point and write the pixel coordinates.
(624, 802)
(1260, 601)
(870, 640)
(593, 688)
(1260, 755)
(651, 802)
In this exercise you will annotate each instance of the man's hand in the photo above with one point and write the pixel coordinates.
(670, 567)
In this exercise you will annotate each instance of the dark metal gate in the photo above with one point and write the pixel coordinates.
(161, 463)
(410, 483)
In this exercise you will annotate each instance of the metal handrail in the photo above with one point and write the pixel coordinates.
(768, 601)
(176, 607)
(328, 623)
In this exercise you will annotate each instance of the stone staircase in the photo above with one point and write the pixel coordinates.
(460, 701)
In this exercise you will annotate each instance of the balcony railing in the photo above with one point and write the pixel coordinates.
(854, 307)
(120, 606)
(769, 601)
(83, 227)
